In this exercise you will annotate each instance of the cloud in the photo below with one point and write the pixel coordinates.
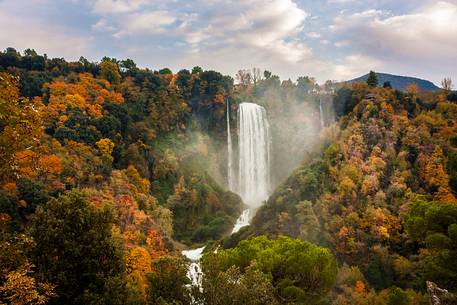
(313, 35)
(429, 33)
(27, 32)
(103, 26)
(341, 1)
(265, 26)
(355, 65)
(117, 6)
(324, 40)
(152, 22)
(342, 43)
(269, 28)
(227, 35)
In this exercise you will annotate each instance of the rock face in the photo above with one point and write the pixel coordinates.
(436, 294)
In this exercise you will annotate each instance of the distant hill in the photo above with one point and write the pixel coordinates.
(399, 82)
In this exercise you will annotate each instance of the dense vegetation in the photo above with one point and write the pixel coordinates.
(102, 174)
(107, 171)
(381, 195)
(298, 272)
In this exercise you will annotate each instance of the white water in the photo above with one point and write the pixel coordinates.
(242, 221)
(194, 273)
(230, 174)
(321, 113)
(254, 172)
(254, 154)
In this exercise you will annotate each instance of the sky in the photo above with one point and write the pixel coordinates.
(326, 39)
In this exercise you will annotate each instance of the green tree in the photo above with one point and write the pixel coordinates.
(110, 71)
(434, 226)
(306, 83)
(75, 248)
(299, 271)
(165, 71)
(398, 296)
(128, 67)
(372, 80)
(233, 287)
(197, 70)
(167, 282)
(387, 85)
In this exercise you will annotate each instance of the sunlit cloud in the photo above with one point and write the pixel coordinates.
(333, 39)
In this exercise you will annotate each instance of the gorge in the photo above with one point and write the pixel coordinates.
(253, 185)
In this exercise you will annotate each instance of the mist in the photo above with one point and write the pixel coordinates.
(298, 113)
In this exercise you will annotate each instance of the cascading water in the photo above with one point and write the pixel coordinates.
(194, 273)
(242, 221)
(254, 154)
(254, 171)
(254, 159)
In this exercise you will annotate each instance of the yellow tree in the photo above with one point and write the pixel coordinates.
(434, 174)
(138, 263)
(110, 72)
(20, 288)
(20, 126)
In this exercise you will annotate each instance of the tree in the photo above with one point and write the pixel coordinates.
(232, 287)
(309, 228)
(75, 248)
(387, 84)
(256, 75)
(167, 282)
(306, 83)
(372, 80)
(128, 67)
(110, 71)
(446, 83)
(106, 147)
(20, 125)
(434, 225)
(398, 297)
(165, 71)
(20, 288)
(412, 89)
(10, 58)
(18, 283)
(299, 271)
(197, 70)
(244, 78)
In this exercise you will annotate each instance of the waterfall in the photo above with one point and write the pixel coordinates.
(242, 221)
(194, 273)
(321, 113)
(254, 154)
(230, 175)
(254, 172)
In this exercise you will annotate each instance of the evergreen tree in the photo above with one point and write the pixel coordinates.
(372, 80)
(387, 85)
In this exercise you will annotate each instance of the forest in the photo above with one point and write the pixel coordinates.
(108, 171)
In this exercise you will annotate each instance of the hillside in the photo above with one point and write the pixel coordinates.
(399, 82)
(381, 195)
(108, 171)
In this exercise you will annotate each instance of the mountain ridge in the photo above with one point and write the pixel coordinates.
(399, 82)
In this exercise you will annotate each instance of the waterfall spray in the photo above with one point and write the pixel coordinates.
(254, 171)
(321, 113)
(230, 175)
